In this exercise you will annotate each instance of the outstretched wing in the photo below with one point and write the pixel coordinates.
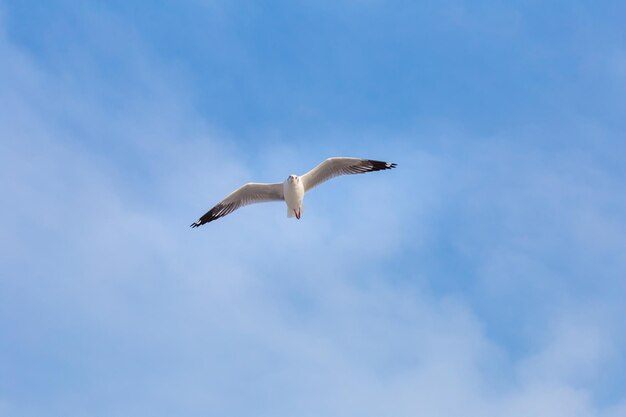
(247, 194)
(333, 167)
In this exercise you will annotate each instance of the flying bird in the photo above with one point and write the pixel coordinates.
(292, 190)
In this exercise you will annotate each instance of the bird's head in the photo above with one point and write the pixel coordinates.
(293, 178)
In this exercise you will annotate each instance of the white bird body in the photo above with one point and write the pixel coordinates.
(292, 190)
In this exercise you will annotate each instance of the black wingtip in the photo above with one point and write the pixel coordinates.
(194, 225)
(379, 165)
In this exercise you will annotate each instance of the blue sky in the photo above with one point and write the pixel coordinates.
(484, 276)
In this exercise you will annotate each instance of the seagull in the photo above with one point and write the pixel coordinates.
(292, 190)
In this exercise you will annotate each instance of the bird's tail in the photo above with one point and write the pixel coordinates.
(290, 212)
